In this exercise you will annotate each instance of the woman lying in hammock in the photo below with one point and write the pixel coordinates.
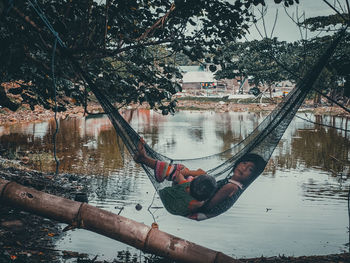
(195, 194)
(245, 170)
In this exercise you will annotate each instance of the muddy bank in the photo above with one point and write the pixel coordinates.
(25, 114)
(30, 238)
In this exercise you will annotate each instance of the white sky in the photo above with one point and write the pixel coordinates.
(285, 29)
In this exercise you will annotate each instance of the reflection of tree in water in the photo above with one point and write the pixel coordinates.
(196, 133)
(322, 147)
(83, 146)
(119, 186)
(233, 131)
(14, 144)
(90, 146)
(197, 129)
(85, 152)
(148, 124)
(19, 139)
(318, 147)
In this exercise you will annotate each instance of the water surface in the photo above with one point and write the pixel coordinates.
(298, 206)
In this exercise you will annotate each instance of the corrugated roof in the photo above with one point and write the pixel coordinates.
(199, 76)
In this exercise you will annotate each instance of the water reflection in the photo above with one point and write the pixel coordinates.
(90, 145)
(84, 146)
(304, 186)
(322, 147)
(309, 145)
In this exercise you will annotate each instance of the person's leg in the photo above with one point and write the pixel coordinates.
(142, 157)
(162, 170)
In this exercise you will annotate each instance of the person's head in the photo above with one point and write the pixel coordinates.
(248, 167)
(203, 187)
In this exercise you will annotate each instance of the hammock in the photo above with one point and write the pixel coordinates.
(261, 141)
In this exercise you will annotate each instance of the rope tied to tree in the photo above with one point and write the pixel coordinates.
(42, 16)
(10, 5)
(55, 94)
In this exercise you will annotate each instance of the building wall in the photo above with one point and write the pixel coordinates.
(191, 86)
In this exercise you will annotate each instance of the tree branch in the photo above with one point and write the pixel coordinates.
(348, 7)
(157, 24)
(106, 22)
(274, 23)
(331, 6)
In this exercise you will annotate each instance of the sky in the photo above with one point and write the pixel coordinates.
(286, 29)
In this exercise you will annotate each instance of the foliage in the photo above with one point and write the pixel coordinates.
(336, 77)
(255, 59)
(287, 3)
(269, 61)
(325, 22)
(129, 48)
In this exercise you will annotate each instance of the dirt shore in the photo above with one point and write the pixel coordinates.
(29, 238)
(39, 114)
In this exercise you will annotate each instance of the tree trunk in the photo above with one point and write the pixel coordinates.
(83, 215)
(317, 99)
(2, 7)
(5, 101)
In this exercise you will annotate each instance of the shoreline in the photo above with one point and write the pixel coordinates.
(25, 114)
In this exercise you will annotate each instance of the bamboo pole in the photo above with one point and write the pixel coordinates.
(83, 215)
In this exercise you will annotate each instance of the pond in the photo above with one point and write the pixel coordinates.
(298, 206)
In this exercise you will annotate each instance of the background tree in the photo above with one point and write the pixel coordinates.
(258, 60)
(269, 61)
(336, 78)
(116, 42)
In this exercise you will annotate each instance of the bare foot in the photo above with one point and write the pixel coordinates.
(141, 154)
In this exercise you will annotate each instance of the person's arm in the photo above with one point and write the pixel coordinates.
(187, 172)
(194, 205)
(225, 192)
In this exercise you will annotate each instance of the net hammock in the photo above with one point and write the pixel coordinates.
(261, 141)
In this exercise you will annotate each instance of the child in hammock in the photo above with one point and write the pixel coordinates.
(190, 189)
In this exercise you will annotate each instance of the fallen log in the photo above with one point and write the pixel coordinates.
(82, 215)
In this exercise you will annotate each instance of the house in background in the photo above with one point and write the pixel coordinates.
(199, 80)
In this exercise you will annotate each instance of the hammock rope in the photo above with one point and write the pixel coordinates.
(262, 140)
